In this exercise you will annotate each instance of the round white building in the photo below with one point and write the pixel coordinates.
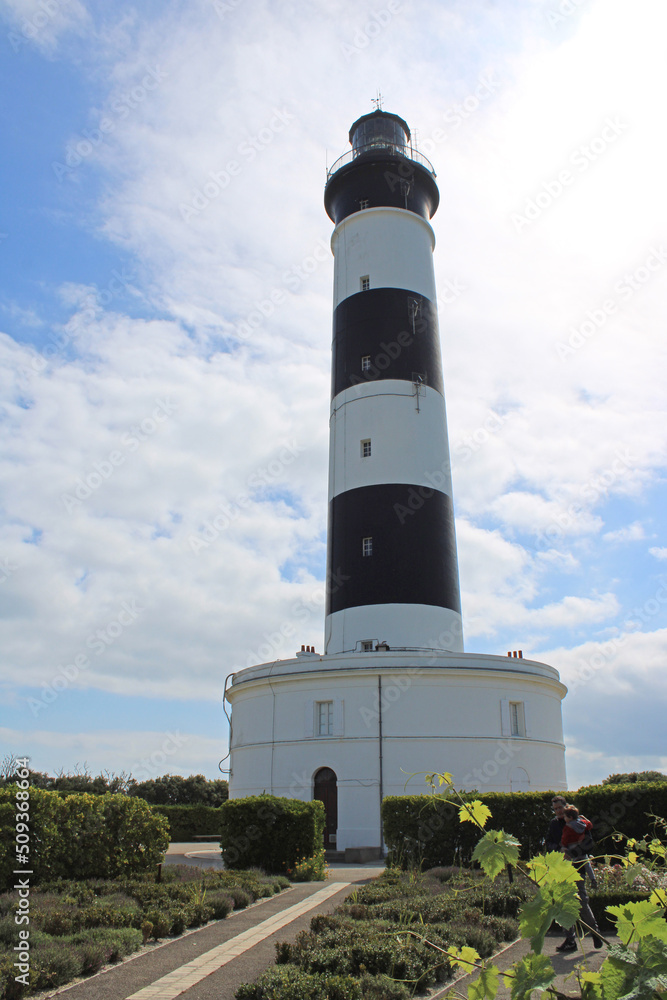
(393, 694)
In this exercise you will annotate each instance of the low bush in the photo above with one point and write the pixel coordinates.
(270, 832)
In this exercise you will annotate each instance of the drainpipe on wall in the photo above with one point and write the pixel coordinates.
(380, 756)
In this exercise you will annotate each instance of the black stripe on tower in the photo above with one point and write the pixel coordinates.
(381, 180)
(385, 333)
(413, 548)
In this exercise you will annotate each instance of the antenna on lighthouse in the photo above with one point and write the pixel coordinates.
(377, 100)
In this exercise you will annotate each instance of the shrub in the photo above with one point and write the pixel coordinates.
(221, 903)
(283, 982)
(383, 988)
(313, 869)
(188, 821)
(241, 898)
(269, 832)
(54, 965)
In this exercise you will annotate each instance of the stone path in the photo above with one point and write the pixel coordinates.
(211, 963)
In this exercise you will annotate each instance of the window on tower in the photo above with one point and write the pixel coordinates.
(366, 448)
(365, 283)
(517, 719)
(366, 645)
(363, 204)
(367, 546)
(324, 718)
(366, 363)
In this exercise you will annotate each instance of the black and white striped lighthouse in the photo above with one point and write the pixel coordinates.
(392, 565)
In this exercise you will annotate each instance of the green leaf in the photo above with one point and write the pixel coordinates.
(463, 958)
(474, 812)
(553, 867)
(495, 850)
(637, 920)
(533, 972)
(559, 902)
(486, 985)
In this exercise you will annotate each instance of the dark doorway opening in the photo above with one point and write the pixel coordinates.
(326, 790)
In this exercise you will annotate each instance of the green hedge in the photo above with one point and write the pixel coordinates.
(81, 836)
(426, 829)
(187, 822)
(263, 831)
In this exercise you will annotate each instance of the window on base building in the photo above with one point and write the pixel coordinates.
(366, 363)
(517, 719)
(324, 718)
(365, 282)
(367, 546)
(366, 645)
(366, 448)
(363, 204)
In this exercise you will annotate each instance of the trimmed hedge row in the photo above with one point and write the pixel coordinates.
(264, 831)
(81, 836)
(187, 822)
(424, 829)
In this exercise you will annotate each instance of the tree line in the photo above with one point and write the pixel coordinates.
(168, 790)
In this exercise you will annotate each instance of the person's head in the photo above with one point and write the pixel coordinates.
(558, 804)
(570, 813)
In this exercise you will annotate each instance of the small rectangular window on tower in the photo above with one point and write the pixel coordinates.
(363, 204)
(365, 282)
(517, 719)
(324, 718)
(367, 546)
(366, 363)
(366, 448)
(366, 645)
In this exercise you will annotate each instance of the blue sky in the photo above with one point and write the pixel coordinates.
(165, 310)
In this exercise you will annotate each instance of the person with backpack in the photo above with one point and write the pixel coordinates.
(576, 842)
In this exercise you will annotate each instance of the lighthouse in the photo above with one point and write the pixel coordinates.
(392, 692)
(391, 541)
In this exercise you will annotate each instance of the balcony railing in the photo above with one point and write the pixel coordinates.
(407, 152)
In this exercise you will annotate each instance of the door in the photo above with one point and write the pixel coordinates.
(326, 790)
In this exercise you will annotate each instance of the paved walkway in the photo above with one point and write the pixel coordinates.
(211, 963)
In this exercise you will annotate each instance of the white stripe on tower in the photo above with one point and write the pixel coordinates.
(392, 566)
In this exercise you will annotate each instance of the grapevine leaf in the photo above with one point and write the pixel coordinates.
(637, 920)
(552, 868)
(653, 953)
(591, 986)
(533, 972)
(495, 850)
(445, 778)
(558, 902)
(617, 973)
(659, 897)
(463, 958)
(474, 812)
(486, 985)
(632, 857)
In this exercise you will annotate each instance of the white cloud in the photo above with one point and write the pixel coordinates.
(631, 533)
(657, 552)
(43, 22)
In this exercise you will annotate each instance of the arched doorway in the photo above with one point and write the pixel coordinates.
(519, 780)
(326, 790)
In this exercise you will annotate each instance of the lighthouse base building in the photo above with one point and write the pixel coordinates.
(351, 729)
(393, 696)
